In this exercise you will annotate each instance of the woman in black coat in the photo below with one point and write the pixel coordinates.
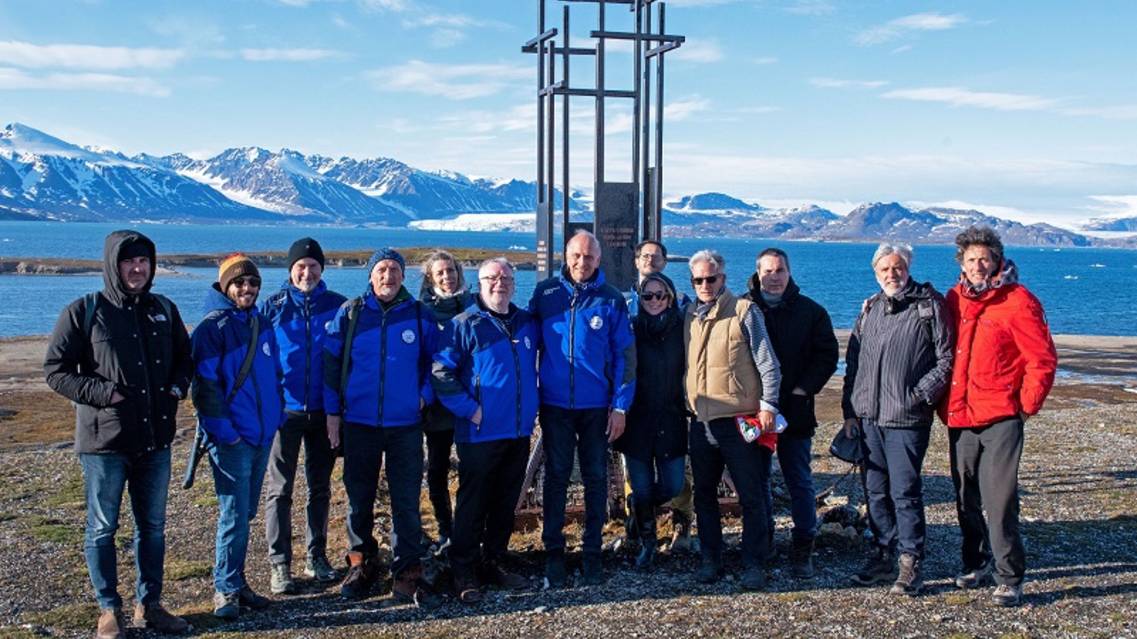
(444, 291)
(654, 443)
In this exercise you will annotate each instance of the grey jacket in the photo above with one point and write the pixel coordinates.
(898, 362)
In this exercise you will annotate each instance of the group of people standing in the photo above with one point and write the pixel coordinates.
(721, 381)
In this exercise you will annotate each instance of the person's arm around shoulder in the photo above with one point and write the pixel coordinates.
(1036, 348)
(65, 351)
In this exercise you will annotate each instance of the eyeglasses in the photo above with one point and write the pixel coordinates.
(497, 279)
(651, 297)
(710, 279)
(251, 282)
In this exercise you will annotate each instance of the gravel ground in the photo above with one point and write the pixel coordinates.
(1079, 491)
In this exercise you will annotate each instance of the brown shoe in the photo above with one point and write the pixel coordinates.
(156, 617)
(112, 624)
(466, 587)
(362, 573)
(410, 587)
(491, 572)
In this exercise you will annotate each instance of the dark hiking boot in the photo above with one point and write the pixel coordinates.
(1007, 596)
(592, 572)
(466, 586)
(250, 599)
(909, 580)
(709, 572)
(976, 577)
(556, 575)
(155, 617)
(111, 624)
(801, 559)
(753, 578)
(410, 587)
(362, 573)
(645, 515)
(877, 569)
(320, 569)
(491, 572)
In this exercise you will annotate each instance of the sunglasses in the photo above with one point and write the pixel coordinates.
(254, 282)
(651, 297)
(710, 279)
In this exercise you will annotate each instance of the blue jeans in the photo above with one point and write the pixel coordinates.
(562, 431)
(656, 483)
(238, 473)
(364, 450)
(794, 456)
(748, 465)
(147, 478)
(894, 459)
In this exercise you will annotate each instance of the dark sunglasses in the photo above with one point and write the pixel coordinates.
(710, 279)
(254, 282)
(651, 297)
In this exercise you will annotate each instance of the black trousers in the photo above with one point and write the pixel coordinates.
(985, 472)
(438, 445)
(490, 475)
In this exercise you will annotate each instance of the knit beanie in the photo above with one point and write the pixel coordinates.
(305, 247)
(133, 249)
(385, 253)
(235, 266)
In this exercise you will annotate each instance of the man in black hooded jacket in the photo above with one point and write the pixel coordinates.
(122, 356)
(803, 340)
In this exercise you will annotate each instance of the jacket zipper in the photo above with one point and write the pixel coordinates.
(382, 358)
(516, 377)
(478, 400)
(257, 391)
(150, 401)
(572, 347)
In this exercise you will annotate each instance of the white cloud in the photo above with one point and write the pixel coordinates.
(834, 83)
(904, 48)
(446, 38)
(1114, 206)
(679, 110)
(456, 82)
(288, 55)
(82, 56)
(1116, 112)
(957, 96)
(695, 50)
(765, 60)
(15, 79)
(907, 25)
(811, 8)
(386, 5)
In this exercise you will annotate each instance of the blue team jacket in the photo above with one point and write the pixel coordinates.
(389, 366)
(299, 321)
(588, 353)
(219, 344)
(484, 363)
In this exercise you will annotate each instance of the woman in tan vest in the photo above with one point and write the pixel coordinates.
(731, 371)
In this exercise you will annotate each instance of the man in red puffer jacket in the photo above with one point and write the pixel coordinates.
(1004, 368)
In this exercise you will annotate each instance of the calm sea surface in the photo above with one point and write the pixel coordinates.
(1087, 291)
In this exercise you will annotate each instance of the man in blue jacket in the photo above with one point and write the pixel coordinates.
(240, 413)
(587, 375)
(298, 313)
(377, 355)
(486, 374)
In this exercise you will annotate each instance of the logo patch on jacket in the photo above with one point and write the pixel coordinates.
(266, 350)
(596, 322)
(528, 346)
(409, 336)
(158, 317)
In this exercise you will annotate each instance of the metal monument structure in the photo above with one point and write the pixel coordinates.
(625, 213)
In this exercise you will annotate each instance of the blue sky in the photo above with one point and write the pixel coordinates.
(1024, 109)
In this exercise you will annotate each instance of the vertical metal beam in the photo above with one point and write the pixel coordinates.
(600, 59)
(565, 190)
(658, 199)
(550, 149)
(645, 81)
(544, 223)
(636, 105)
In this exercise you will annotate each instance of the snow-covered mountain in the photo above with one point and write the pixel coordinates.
(42, 177)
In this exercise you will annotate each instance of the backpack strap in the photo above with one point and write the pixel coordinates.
(353, 310)
(927, 314)
(247, 364)
(90, 305)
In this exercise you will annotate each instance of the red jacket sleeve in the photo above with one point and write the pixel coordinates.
(1036, 348)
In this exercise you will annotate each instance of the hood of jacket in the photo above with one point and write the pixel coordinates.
(114, 245)
(1006, 276)
(755, 288)
(216, 301)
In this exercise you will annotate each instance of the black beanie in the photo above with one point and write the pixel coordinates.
(305, 247)
(133, 249)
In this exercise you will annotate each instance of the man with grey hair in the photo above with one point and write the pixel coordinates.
(897, 367)
(486, 375)
(1004, 368)
(732, 374)
(587, 372)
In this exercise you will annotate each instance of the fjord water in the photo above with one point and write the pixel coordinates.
(1084, 291)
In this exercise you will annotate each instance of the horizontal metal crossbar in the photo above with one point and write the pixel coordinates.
(628, 35)
(558, 88)
(561, 50)
(551, 33)
(661, 49)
